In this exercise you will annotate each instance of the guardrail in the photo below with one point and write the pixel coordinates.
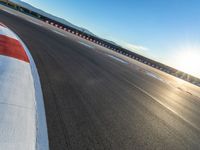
(106, 44)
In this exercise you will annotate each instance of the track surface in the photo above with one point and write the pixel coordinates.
(94, 102)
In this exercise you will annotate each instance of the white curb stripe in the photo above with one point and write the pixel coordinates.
(5, 31)
(23, 121)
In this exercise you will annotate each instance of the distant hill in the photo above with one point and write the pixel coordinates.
(63, 21)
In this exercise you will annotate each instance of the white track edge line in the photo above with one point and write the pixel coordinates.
(42, 137)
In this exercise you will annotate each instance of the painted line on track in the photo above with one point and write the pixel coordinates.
(117, 59)
(164, 105)
(150, 74)
(57, 32)
(34, 22)
(85, 44)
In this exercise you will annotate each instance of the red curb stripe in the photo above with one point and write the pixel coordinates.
(12, 48)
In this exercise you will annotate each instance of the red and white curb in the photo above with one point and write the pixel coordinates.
(22, 116)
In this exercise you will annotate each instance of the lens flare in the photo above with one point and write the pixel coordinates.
(189, 61)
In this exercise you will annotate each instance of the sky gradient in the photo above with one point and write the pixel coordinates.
(158, 29)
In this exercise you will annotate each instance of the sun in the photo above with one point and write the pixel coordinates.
(189, 61)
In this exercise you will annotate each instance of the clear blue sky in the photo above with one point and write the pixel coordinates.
(160, 29)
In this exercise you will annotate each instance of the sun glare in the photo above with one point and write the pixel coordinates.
(189, 62)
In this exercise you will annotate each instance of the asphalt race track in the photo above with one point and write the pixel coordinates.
(95, 100)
